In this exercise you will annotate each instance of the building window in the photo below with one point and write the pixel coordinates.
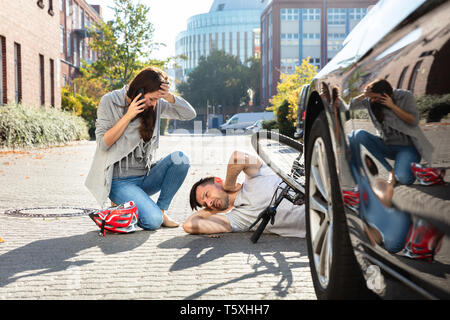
(69, 45)
(289, 39)
(288, 65)
(357, 13)
(412, 80)
(3, 96)
(82, 19)
(52, 82)
(402, 77)
(75, 50)
(62, 37)
(334, 42)
(289, 14)
(50, 8)
(311, 14)
(75, 15)
(336, 16)
(311, 36)
(336, 36)
(315, 62)
(18, 72)
(42, 79)
(67, 8)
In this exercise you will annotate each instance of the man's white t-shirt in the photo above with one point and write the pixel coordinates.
(255, 195)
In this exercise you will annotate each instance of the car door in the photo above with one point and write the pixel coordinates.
(407, 236)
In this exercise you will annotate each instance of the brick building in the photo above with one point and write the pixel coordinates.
(29, 53)
(35, 57)
(76, 16)
(292, 30)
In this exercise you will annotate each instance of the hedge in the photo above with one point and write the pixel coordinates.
(22, 126)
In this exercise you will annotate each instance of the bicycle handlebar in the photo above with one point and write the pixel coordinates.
(257, 233)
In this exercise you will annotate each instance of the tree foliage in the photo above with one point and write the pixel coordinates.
(288, 89)
(219, 79)
(124, 44)
(254, 79)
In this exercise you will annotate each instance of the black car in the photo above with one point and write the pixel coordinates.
(367, 233)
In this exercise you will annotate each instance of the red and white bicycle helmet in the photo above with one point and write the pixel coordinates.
(120, 219)
(427, 176)
(351, 198)
(423, 241)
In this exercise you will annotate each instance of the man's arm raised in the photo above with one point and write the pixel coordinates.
(240, 161)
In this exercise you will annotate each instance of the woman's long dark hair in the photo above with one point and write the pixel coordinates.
(382, 87)
(150, 80)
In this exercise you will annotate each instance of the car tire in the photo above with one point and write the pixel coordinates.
(335, 272)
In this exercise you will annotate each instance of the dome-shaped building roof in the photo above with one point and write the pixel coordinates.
(227, 5)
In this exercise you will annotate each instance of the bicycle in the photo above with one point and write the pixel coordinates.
(285, 157)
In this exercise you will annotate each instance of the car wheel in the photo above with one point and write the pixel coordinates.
(334, 270)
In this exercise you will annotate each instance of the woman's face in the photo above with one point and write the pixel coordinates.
(151, 98)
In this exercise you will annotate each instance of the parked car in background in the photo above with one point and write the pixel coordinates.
(255, 127)
(353, 213)
(240, 121)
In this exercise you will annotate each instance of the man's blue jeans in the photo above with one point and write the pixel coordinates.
(165, 177)
(402, 155)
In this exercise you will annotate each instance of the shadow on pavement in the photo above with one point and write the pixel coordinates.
(52, 255)
(268, 256)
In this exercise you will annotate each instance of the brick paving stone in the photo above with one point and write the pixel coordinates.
(65, 258)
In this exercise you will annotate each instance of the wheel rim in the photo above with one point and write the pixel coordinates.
(321, 213)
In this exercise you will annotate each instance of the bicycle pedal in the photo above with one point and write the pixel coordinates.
(300, 200)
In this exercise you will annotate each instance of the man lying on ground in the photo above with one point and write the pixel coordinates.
(231, 207)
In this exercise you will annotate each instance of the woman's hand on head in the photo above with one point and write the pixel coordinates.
(386, 100)
(164, 92)
(136, 106)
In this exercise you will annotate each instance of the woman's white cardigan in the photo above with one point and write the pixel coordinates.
(109, 111)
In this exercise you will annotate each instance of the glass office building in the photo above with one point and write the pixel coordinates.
(230, 25)
(294, 30)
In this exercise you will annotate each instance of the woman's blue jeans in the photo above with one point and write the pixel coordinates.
(402, 155)
(393, 224)
(165, 177)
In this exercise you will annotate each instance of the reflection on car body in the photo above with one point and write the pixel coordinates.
(356, 218)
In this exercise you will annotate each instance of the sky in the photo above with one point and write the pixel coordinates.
(168, 17)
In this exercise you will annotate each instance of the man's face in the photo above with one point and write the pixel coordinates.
(212, 196)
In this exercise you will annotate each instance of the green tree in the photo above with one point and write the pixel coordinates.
(124, 45)
(254, 79)
(81, 105)
(288, 89)
(70, 103)
(284, 124)
(219, 79)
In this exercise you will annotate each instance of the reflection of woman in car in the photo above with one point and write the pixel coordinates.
(395, 116)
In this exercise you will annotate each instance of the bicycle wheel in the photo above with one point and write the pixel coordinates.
(283, 155)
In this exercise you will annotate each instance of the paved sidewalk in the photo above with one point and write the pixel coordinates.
(65, 258)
